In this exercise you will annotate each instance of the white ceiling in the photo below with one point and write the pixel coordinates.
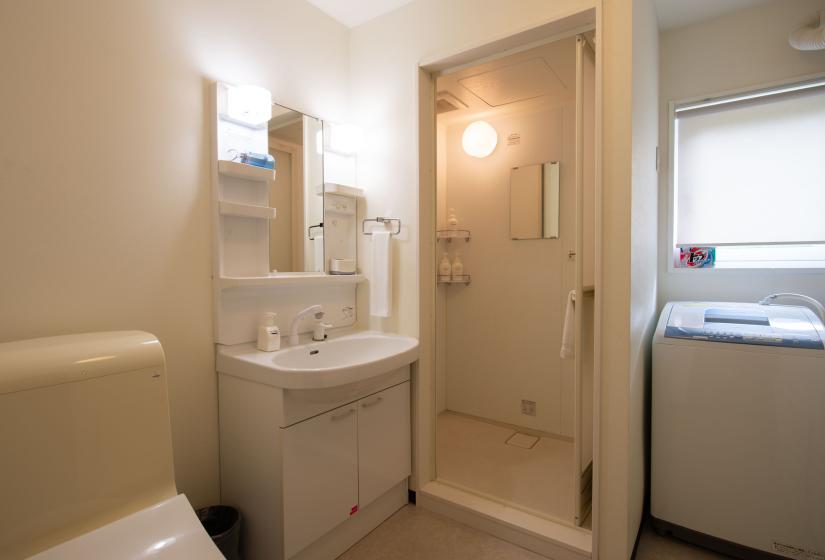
(676, 13)
(672, 13)
(353, 13)
(511, 83)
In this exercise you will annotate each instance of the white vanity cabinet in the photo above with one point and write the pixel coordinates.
(313, 471)
(384, 458)
(320, 475)
(341, 461)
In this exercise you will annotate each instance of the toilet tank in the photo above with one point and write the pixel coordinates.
(84, 435)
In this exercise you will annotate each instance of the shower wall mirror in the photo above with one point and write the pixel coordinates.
(534, 201)
(297, 192)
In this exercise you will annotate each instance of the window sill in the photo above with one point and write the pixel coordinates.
(785, 267)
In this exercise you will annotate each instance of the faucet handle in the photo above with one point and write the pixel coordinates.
(319, 331)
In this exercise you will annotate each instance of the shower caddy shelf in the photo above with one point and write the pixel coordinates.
(450, 234)
(460, 279)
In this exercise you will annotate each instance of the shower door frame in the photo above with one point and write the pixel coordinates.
(583, 49)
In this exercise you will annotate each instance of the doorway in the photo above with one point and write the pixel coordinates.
(510, 242)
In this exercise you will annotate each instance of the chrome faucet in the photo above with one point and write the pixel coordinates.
(293, 328)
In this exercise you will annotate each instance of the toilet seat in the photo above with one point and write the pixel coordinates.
(169, 530)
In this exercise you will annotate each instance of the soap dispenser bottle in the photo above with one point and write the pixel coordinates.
(444, 267)
(269, 336)
(457, 267)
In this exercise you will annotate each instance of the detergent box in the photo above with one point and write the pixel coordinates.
(697, 257)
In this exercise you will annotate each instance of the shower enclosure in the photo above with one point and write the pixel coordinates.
(515, 176)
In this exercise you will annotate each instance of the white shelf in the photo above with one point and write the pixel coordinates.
(227, 208)
(462, 279)
(345, 190)
(288, 279)
(450, 234)
(245, 171)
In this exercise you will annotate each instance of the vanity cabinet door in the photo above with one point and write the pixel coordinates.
(320, 481)
(383, 442)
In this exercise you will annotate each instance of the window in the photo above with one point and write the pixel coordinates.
(749, 177)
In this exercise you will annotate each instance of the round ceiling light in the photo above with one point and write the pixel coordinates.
(479, 139)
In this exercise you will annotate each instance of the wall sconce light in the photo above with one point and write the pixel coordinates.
(248, 105)
(479, 139)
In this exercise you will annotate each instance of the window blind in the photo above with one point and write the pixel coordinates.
(751, 170)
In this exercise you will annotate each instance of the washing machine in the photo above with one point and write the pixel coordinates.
(738, 428)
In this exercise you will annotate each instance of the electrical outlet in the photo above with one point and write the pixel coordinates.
(528, 407)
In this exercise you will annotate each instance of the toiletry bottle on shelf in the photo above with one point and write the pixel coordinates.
(444, 267)
(457, 267)
(269, 336)
(452, 221)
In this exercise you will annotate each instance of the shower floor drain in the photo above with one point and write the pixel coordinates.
(522, 440)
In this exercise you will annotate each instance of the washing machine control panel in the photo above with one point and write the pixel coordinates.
(744, 324)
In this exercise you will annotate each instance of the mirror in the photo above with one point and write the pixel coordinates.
(534, 201)
(296, 242)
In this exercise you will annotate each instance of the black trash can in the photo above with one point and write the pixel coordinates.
(223, 523)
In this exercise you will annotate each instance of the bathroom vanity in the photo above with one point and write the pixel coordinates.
(314, 437)
(315, 441)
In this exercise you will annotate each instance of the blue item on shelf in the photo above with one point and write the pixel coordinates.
(260, 160)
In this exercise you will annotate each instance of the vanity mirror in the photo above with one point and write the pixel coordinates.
(296, 235)
(534, 201)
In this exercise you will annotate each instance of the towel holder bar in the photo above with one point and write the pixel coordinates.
(310, 228)
(380, 220)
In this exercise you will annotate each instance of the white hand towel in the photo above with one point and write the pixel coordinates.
(568, 335)
(318, 253)
(381, 281)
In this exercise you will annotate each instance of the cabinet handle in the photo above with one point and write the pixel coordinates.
(342, 415)
(373, 403)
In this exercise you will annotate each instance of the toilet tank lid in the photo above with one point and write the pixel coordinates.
(169, 530)
(54, 360)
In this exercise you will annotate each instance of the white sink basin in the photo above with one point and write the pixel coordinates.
(339, 360)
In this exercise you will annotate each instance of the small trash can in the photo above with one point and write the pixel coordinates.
(223, 523)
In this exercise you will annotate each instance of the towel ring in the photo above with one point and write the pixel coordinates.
(380, 220)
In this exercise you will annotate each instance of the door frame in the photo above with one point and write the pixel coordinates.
(424, 394)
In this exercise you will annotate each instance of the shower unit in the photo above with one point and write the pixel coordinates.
(515, 199)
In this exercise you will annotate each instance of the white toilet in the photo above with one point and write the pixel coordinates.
(85, 441)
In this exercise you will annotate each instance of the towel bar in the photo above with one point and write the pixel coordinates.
(384, 221)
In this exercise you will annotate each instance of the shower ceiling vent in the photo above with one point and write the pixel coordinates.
(446, 102)
(517, 82)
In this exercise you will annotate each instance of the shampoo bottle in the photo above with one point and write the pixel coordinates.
(457, 267)
(269, 337)
(444, 267)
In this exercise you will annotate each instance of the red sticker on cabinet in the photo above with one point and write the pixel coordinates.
(354, 510)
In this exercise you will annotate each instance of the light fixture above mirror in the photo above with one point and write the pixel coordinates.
(248, 105)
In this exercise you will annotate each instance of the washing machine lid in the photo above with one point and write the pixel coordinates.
(746, 323)
(169, 530)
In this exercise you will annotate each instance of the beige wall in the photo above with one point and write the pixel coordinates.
(744, 49)
(104, 173)
(502, 347)
(626, 280)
